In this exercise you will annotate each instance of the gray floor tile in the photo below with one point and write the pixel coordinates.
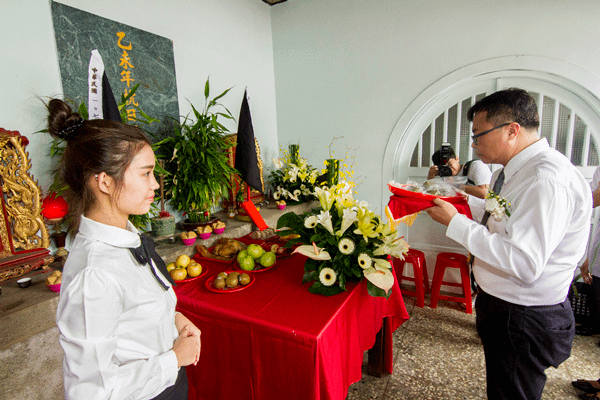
(438, 355)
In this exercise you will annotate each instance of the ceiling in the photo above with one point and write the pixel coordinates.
(273, 2)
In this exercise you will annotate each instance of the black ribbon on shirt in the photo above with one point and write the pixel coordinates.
(146, 253)
(496, 189)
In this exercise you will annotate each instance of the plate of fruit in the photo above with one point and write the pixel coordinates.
(229, 282)
(255, 259)
(184, 269)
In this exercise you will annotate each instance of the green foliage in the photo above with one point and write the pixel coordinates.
(199, 174)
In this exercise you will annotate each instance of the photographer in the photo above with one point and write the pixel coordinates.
(477, 173)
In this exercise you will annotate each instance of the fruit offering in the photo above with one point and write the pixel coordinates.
(54, 279)
(184, 267)
(188, 235)
(218, 225)
(255, 258)
(204, 229)
(231, 280)
(264, 234)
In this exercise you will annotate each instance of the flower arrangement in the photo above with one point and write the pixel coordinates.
(344, 241)
(293, 179)
(497, 206)
(344, 166)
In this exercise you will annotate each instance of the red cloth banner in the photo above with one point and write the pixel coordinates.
(401, 206)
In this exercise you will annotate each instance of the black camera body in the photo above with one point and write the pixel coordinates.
(445, 155)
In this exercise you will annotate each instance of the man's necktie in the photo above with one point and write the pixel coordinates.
(145, 253)
(496, 189)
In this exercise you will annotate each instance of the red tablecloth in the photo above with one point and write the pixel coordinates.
(274, 339)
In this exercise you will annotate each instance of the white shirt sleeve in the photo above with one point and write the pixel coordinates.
(89, 321)
(526, 247)
(479, 173)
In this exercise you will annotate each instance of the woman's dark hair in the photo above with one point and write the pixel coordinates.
(92, 147)
(510, 105)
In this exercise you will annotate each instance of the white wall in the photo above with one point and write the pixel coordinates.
(352, 67)
(230, 40)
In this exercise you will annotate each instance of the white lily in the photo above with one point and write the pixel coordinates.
(347, 220)
(325, 220)
(313, 252)
(278, 163)
(325, 198)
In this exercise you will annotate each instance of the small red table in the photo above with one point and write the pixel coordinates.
(274, 339)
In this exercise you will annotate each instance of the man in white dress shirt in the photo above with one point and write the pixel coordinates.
(524, 258)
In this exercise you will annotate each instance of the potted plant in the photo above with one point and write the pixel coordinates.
(196, 161)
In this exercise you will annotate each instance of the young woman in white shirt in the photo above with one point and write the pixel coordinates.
(120, 333)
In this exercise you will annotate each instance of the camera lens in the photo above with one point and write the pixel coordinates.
(445, 171)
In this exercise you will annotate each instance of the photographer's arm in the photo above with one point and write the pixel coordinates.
(477, 191)
(433, 172)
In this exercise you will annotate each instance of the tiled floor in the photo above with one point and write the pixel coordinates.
(438, 355)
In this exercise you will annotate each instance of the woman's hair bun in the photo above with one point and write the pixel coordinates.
(62, 121)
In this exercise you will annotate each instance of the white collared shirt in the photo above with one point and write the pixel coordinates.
(529, 258)
(116, 323)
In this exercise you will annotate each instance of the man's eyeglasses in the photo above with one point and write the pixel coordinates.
(475, 137)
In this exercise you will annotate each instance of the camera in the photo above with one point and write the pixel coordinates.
(445, 156)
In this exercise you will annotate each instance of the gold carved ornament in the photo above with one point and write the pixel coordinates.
(21, 198)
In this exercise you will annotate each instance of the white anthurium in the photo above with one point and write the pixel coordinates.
(383, 278)
(278, 163)
(381, 263)
(314, 252)
(349, 217)
(325, 220)
(291, 195)
(311, 221)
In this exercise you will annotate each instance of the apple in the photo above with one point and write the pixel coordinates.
(267, 260)
(247, 263)
(194, 269)
(241, 254)
(171, 266)
(182, 261)
(255, 251)
(178, 274)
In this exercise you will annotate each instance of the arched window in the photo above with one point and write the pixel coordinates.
(561, 122)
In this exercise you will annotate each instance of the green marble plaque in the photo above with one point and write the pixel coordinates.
(130, 56)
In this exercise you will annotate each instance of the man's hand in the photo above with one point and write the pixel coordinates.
(596, 198)
(442, 212)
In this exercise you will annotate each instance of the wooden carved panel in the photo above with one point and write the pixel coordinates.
(23, 234)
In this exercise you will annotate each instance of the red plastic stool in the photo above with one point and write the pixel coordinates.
(416, 258)
(451, 260)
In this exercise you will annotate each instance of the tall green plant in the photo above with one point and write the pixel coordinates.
(199, 174)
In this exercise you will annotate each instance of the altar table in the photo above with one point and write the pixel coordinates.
(275, 340)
